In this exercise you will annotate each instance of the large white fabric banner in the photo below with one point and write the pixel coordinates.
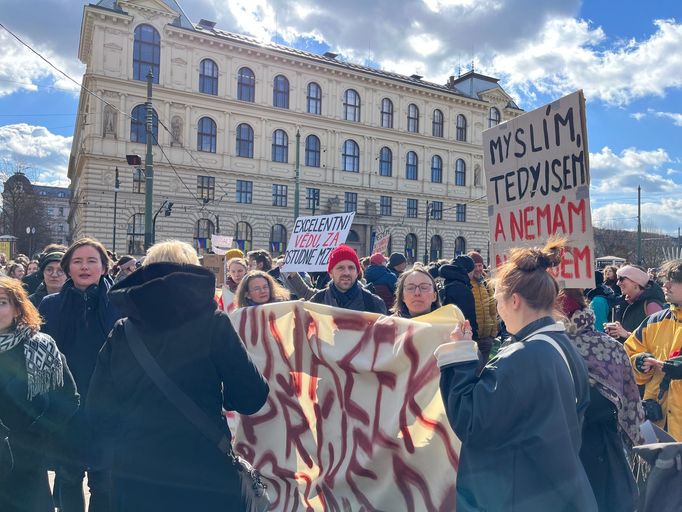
(354, 420)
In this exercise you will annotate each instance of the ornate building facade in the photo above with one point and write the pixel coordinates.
(230, 115)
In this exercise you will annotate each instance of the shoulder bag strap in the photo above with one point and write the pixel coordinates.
(558, 348)
(173, 393)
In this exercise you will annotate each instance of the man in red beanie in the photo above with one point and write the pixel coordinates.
(344, 290)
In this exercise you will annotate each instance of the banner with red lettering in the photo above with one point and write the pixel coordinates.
(538, 184)
(354, 420)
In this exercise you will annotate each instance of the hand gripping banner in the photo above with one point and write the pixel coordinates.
(354, 420)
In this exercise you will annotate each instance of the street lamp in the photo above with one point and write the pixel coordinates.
(117, 187)
(426, 234)
(168, 205)
(30, 231)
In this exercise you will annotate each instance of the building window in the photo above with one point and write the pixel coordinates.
(280, 92)
(312, 151)
(60, 228)
(312, 196)
(350, 158)
(244, 192)
(206, 188)
(280, 146)
(437, 210)
(411, 165)
(385, 206)
(436, 248)
(351, 202)
(412, 118)
(411, 247)
(245, 141)
(139, 185)
(61, 211)
(351, 106)
(437, 125)
(314, 99)
(386, 113)
(203, 231)
(278, 239)
(138, 125)
(146, 53)
(493, 117)
(279, 195)
(413, 208)
(436, 169)
(136, 234)
(246, 85)
(460, 246)
(206, 135)
(461, 128)
(460, 173)
(243, 236)
(461, 213)
(208, 77)
(385, 162)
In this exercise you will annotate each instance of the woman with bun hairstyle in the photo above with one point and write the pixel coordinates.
(520, 419)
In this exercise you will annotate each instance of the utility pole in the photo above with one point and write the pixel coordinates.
(297, 176)
(149, 170)
(117, 187)
(426, 235)
(639, 225)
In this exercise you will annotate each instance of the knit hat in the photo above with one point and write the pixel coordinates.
(233, 253)
(464, 262)
(476, 257)
(377, 259)
(634, 274)
(49, 258)
(396, 259)
(341, 253)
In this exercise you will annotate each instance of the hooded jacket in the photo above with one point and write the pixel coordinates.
(632, 315)
(457, 290)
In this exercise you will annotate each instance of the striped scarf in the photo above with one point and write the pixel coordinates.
(44, 367)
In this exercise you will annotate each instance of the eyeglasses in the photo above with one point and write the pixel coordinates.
(54, 271)
(259, 289)
(424, 288)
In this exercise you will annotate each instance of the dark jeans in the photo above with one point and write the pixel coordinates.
(71, 498)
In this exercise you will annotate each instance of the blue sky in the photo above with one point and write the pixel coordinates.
(626, 56)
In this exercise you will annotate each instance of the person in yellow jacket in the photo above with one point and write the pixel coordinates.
(486, 308)
(655, 350)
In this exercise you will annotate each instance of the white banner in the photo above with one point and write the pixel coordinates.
(381, 244)
(221, 244)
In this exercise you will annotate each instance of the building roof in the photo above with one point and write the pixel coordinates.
(475, 84)
(46, 190)
(181, 21)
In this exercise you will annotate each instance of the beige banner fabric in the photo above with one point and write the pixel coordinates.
(354, 420)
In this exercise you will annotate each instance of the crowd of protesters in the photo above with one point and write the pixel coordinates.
(563, 365)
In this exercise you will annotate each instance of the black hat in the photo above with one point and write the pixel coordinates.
(49, 258)
(465, 262)
(396, 259)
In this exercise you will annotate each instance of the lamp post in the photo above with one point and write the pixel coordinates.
(30, 231)
(168, 205)
(426, 234)
(297, 175)
(117, 187)
(149, 169)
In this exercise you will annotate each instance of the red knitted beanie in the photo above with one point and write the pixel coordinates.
(343, 252)
(377, 259)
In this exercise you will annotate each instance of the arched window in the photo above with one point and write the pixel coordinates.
(493, 117)
(412, 118)
(351, 106)
(208, 77)
(386, 113)
(437, 126)
(350, 158)
(436, 169)
(353, 237)
(206, 135)
(280, 92)
(460, 173)
(436, 252)
(146, 53)
(411, 166)
(385, 162)
(245, 141)
(246, 85)
(314, 99)
(411, 248)
(136, 234)
(460, 246)
(312, 151)
(243, 236)
(138, 125)
(280, 146)
(461, 128)
(203, 230)
(278, 239)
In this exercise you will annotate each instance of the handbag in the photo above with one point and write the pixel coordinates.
(254, 490)
(6, 457)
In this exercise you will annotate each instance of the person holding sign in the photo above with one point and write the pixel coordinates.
(520, 419)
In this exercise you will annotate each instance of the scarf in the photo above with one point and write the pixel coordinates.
(343, 299)
(609, 371)
(44, 367)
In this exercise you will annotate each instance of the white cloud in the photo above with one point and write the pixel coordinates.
(674, 116)
(660, 215)
(45, 154)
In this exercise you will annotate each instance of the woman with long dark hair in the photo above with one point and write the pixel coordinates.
(415, 293)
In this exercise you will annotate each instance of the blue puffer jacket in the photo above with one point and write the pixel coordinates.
(379, 274)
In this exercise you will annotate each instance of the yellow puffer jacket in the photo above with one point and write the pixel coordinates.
(660, 335)
(486, 310)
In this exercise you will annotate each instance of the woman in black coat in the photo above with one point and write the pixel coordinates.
(37, 396)
(159, 459)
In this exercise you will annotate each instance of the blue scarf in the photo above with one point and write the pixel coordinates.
(344, 299)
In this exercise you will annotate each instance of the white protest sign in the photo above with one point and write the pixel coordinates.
(538, 185)
(221, 244)
(313, 239)
(381, 244)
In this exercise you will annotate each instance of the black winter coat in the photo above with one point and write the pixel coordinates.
(160, 460)
(457, 290)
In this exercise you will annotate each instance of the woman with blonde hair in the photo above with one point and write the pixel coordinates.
(520, 419)
(259, 288)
